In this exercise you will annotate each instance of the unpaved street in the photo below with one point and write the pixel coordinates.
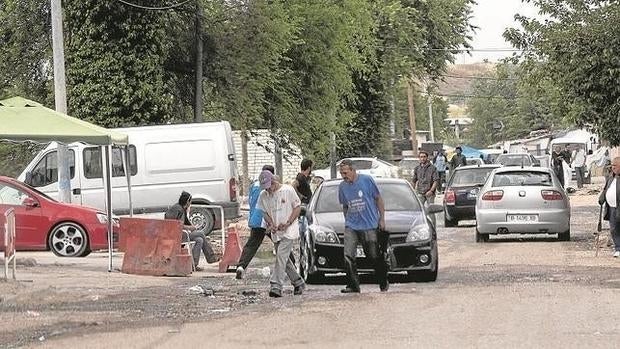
(510, 292)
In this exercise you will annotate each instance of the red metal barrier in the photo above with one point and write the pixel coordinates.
(153, 247)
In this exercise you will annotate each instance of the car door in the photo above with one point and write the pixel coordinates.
(30, 226)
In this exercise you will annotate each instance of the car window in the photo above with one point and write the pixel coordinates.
(46, 171)
(362, 164)
(514, 160)
(11, 196)
(470, 177)
(92, 162)
(396, 196)
(522, 178)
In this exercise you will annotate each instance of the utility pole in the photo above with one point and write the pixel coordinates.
(414, 138)
(60, 98)
(430, 115)
(198, 65)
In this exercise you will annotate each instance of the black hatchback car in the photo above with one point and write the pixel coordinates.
(412, 236)
(459, 200)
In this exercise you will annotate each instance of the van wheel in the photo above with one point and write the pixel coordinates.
(202, 218)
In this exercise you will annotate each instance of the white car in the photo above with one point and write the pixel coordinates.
(370, 166)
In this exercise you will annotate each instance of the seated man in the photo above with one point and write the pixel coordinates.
(179, 212)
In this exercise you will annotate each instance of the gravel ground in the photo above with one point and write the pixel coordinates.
(65, 298)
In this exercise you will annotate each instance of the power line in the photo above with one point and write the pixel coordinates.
(475, 77)
(169, 7)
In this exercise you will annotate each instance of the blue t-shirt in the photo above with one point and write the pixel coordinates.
(255, 219)
(359, 198)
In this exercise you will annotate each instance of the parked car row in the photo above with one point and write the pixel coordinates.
(508, 200)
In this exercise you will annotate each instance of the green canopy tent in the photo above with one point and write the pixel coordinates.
(24, 120)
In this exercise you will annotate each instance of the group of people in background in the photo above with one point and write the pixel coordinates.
(563, 160)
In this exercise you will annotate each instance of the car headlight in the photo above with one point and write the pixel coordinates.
(103, 219)
(324, 235)
(419, 233)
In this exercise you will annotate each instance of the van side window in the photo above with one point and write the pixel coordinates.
(93, 167)
(46, 171)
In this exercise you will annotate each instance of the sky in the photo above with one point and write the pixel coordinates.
(492, 17)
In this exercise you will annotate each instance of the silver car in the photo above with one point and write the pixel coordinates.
(522, 200)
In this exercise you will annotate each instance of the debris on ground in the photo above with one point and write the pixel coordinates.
(202, 290)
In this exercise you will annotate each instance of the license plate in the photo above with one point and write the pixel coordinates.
(360, 252)
(522, 218)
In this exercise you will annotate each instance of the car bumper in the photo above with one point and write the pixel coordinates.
(494, 221)
(403, 257)
(454, 212)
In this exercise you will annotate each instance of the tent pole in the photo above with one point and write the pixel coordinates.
(108, 190)
(128, 175)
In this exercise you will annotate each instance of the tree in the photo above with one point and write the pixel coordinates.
(576, 50)
(115, 63)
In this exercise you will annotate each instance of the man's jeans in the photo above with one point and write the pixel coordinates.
(580, 174)
(614, 227)
(370, 244)
(201, 244)
(251, 246)
(284, 266)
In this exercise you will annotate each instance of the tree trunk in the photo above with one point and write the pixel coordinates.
(414, 139)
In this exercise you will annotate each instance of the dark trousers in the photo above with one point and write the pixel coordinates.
(559, 172)
(257, 235)
(201, 244)
(580, 174)
(369, 241)
(614, 227)
(251, 246)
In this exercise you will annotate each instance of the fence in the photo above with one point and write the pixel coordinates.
(9, 241)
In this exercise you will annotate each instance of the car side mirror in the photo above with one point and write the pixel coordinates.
(435, 208)
(30, 202)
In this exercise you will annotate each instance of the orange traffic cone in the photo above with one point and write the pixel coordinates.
(232, 249)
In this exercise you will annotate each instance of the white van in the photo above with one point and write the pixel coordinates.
(164, 160)
(572, 140)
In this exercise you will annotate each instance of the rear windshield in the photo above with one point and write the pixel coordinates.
(362, 164)
(522, 178)
(470, 177)
(397, 197)
(514, 160)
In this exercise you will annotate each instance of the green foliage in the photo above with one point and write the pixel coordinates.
(115, 63)
(577, 50)
(300, 68)
(25, 50)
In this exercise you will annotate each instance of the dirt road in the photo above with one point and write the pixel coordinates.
(511, 292)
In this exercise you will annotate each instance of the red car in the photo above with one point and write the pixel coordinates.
(43, 223)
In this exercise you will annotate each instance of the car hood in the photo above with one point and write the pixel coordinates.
(395, 221)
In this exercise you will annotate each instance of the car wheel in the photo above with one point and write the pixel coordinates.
(202, 218)
(68, 239)
(481, 237)
(425, 275)
(449, 223)
(565, 236)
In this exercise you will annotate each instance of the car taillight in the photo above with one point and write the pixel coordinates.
(232, 189)
(551, 195)
(493, 195)
(450, 197)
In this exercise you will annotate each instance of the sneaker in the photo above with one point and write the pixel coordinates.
(298, 290)
(350, 290)
(384, 286)
(275, 293)
(239, 273)
(197, 268)
(616, 254)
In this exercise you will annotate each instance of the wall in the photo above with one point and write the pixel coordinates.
(258, 156)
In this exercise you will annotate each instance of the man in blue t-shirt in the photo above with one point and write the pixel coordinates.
(364, 214)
